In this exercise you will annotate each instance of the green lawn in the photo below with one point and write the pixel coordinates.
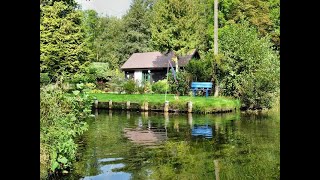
(200, 103)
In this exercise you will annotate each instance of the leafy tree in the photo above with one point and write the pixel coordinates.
(137, 33)
(250, 68)
(274, 6)
(71, 3)
(109, 41)
(177, 25)
(117, 39)
(89, 22)
(62, 45)
(261, 14)
(201, 70)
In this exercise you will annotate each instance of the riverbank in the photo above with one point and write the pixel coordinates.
(156, 102)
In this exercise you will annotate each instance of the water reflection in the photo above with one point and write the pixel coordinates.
(135, 145)
(202, 130)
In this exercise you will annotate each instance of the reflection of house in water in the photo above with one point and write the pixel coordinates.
(146, 135)
(202, 130)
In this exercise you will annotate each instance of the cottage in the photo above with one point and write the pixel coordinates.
(152, 66)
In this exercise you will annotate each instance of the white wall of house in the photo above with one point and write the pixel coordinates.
(138, 76)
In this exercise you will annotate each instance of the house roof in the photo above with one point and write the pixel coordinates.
(152, 60)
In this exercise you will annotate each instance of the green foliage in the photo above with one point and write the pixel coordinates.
(116, 82)
(200, 104)
(108, 42)
(44, 78)
(137, 35)
(96, 91)
(117, 39)
(145, 87)
(70, 3)
(201, 70)
(100, 69)
(250, 67)
(160, 87)
(62, 118)
(177, 25)
(89, 23)
(262, 15)
(130, 86)
(182, 85)
(62, 45)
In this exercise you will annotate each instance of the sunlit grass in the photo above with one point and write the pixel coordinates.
(200, 104)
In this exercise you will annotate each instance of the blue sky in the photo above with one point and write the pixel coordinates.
(106, 7)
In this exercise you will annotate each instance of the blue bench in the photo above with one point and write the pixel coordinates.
(204, 86)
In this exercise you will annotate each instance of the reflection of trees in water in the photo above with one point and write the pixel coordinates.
(244, 147)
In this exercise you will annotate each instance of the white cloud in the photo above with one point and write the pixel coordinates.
(106, 7)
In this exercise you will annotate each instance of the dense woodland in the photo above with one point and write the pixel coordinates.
(247, 66)
(72, 41)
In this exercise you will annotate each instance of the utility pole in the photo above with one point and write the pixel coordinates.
(215, 27)
(216, 87)
(215, 46)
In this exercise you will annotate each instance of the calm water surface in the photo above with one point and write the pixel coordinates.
(135, 145)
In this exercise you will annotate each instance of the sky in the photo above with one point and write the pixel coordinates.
(106, 7)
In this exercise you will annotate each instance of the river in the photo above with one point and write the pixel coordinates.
(137, 145)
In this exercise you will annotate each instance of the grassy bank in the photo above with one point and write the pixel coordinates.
(200, 104)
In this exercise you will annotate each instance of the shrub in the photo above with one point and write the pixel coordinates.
(144, 88)
(160, 87)
(116, 83)
(44, 78)
(97, 91)
(250, 67)
(182, 86)
(90, 86)
(130, 86)
(62, 118)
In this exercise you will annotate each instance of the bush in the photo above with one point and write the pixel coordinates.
(201, 70)
(130, 86)
(160, 87)
(96, 91)
(116, 83)
(44, 78)
(90, 86)
(250, 67)
(144, 88)
(100, 69)
(81, 78)
(62, 118)
(182, 86)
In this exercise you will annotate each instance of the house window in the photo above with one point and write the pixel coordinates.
(146, 75)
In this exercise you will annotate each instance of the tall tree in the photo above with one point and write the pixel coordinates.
(137, 33)
(71, 3)
(109, 42)
(62, 45)
(177, 25)
(90, 22)
(250, 67)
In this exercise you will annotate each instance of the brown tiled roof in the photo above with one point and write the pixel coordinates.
(151, 60)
